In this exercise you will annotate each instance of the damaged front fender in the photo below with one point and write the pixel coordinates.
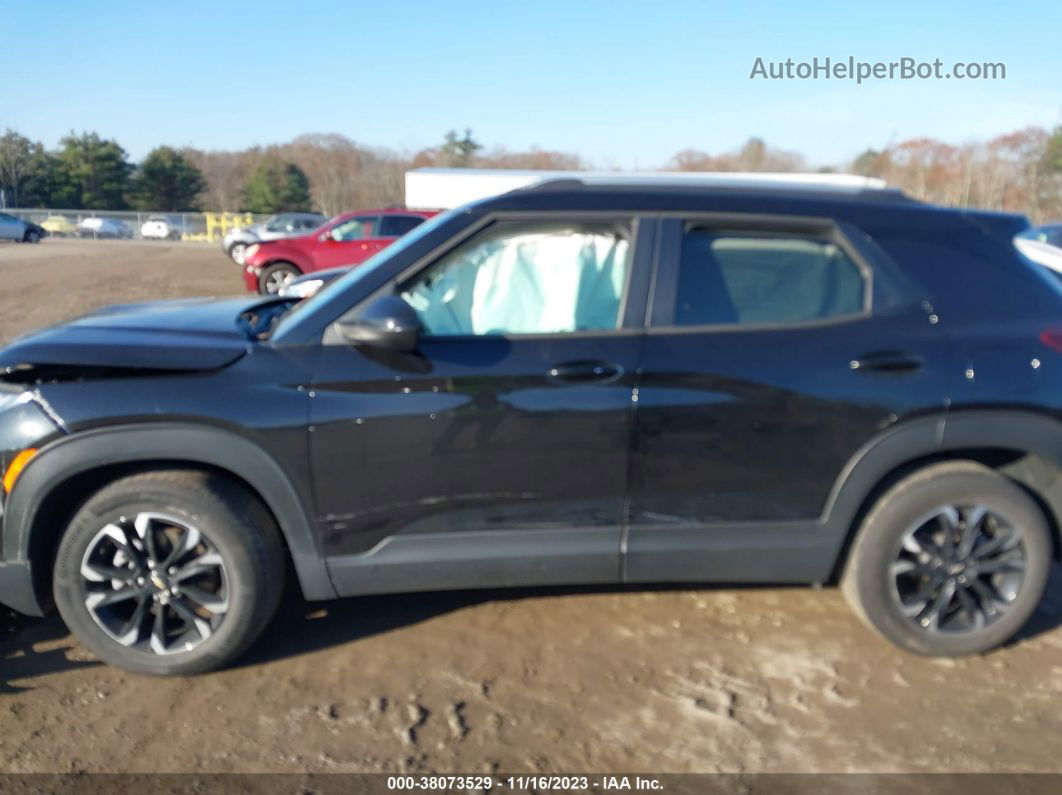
(26, 423)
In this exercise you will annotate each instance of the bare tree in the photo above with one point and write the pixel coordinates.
(17, 156)
(346, 176)
(225, 174)
(754, 155)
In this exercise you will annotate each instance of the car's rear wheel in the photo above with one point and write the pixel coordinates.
(32, 236)
(276, 277)
(169, 572)
(952, 560)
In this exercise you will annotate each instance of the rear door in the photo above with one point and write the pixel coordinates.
(776, 349)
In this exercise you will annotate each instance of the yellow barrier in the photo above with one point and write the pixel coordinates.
(218, 225)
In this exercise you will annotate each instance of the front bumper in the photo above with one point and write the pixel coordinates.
(250, 277)
(16, 588)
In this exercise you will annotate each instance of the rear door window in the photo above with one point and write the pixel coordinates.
(758, 278)
(398, 225)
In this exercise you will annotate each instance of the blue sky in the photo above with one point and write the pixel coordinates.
(625, 84)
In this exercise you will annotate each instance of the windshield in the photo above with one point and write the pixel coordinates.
(360, 272)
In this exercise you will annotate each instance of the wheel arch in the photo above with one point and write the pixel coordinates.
(67, 471)
(284, 260)
(1023, 445)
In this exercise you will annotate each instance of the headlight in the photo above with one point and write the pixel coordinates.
(251, 250)
(301, 289)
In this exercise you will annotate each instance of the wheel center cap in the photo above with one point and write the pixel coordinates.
(156, 580)
(956, 568)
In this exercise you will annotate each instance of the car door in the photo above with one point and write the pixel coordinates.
(776, 349)
(349, 242)
(497, 452)
(10, 227)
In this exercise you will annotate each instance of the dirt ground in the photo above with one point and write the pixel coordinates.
(655, 680)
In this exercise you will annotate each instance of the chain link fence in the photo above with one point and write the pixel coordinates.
(101, 224)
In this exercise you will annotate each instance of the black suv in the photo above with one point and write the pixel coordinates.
(585, 381)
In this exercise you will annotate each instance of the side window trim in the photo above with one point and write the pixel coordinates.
(633, 303)
(661, 316)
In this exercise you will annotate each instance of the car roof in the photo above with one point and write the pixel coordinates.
(698, 194)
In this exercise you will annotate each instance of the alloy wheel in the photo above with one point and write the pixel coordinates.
(958, 569)
(237, 252)
(154, 582)
(278, 280)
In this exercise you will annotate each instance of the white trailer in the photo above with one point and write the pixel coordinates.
(444, 188)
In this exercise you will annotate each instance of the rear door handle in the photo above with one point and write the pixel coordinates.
(585, 372)
(887, 362)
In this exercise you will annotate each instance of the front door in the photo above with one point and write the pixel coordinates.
(10, 227)
(497, 452)
(350, 242)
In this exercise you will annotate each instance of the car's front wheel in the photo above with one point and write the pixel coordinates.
(169, 572)
(951, 560)
(276, 277)
(32, 236)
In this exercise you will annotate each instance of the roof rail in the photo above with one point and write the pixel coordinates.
(842, 183)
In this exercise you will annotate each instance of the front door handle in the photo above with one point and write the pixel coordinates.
(887, 362)
(585, 372)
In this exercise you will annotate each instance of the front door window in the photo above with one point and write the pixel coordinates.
(526, 278)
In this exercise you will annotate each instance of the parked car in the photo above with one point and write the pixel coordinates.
(162, 227)
(12, 228)
(275, 227)
(348, 239)
(59, 226)
(310, 284)
(104, 228)
(1041, 253)
(602, 381)
(1048, 233)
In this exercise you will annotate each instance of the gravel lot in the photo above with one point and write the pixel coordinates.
(660, 680)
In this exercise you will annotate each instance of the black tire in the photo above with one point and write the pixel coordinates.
(232, 522)
(237, 247)
(32, 236)
(273, 277)
(872, 585)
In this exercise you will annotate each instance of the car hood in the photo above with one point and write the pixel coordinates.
(158, 336)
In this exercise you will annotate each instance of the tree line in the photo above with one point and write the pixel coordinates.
(1018, 172)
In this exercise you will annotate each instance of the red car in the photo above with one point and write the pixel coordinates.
(347, 239)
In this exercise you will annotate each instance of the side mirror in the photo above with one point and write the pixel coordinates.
(388, 322)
